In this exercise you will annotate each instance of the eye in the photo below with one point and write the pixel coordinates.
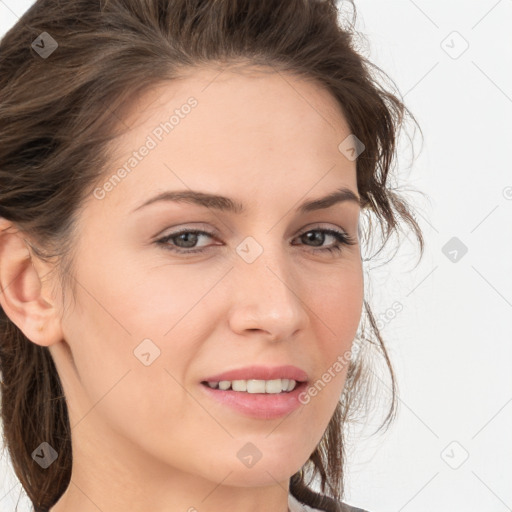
(183, 237)
(342, 239)
(184, 241)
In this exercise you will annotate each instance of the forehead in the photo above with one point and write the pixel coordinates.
(213, 129)
(244, 88)
(255, 106)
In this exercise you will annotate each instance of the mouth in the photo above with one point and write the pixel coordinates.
(255, 401)
(255, 386)
(258, 379)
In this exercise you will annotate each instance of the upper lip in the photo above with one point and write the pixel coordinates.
(261, 373)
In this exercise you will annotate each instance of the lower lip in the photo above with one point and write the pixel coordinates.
(258, 405)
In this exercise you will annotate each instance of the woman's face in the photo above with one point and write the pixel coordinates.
(150, 324)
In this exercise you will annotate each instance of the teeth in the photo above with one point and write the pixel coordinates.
(239, 385)
(224, 384)
(255, 386)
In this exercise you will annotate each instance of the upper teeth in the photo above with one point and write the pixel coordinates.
(255, 386)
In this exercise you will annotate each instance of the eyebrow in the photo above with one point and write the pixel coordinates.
(227, 204)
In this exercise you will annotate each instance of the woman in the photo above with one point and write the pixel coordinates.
(185, 189)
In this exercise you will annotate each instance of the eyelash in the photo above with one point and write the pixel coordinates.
(341, 237)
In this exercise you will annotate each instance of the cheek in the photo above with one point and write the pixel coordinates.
(115, 385)
(164, 299)
(336, 313)
(337, 304)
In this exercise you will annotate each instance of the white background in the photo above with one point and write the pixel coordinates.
(450, 448)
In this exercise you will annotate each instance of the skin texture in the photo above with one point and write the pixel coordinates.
(147, 437)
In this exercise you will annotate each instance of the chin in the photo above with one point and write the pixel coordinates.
(259, 477)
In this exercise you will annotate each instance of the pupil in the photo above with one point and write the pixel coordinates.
(186, 235)
(312, 234)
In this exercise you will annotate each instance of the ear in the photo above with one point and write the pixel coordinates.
(23, 296)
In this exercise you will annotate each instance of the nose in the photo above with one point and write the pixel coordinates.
(266, 297)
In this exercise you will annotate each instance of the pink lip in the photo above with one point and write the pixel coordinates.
(261, 373)
(258, 405)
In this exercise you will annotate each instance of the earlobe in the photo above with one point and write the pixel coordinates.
(21, 292)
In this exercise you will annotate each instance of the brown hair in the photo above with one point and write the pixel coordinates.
(57, 116)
